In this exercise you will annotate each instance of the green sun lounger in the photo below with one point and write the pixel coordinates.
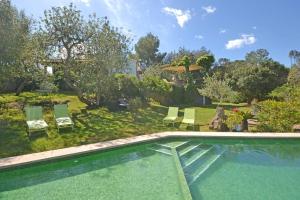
(34, 119)
(189, 117)
(62, 117)
(172, 115)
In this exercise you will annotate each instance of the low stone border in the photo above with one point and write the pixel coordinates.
(60, 153)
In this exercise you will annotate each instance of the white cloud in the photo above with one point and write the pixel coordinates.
(199, 37)
(85, 2)
(209, 9)
(118, 8)
(222, 31)
(182, 16)
(121, 15)
(240, 42)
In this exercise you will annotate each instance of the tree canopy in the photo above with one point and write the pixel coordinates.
(147, 50)
(294, 75)
(217, 89)
(109, 55)
(206, 61)
(257, 57)
(67, 31)
(91, 52)
(256, 81)
(20, 49)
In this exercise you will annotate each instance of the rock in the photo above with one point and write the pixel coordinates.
(296, 128)
(15, 105)
(252, 122)
(217, 122)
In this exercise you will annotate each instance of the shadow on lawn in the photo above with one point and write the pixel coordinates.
(226, 106)
(104, 125)
(13, 140)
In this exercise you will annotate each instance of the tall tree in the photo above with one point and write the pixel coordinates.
(67, 31)
(32, 55)
(257, 81)
(147, 50)
(223, 61)
(109, 50)
(185, 61)
(68, 35)
(206, 61)
(217, 89)
(294, 55)
(19, 49)
(294, 75)
(257, 57)
(221, 68)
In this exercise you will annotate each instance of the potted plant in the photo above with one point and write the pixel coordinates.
(237, 120)
(246, 115)
(234, 121)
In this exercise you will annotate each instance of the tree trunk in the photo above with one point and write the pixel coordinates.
(20, 87)
(244, 125)
(249, 101)
(98, 99)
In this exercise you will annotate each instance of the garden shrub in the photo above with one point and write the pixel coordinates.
(275, 116)
(286, 92)
(135, 104)
(233, 120)
(48, 86)
(190, 94)
(157, 89)
(109, 94)
(58, 79)
(177, 95)
(238, 118)
(128, 85)
(44, 101)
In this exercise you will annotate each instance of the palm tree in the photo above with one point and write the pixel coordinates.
(297, 57)
(292, 54)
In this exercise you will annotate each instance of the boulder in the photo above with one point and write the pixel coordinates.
(217, 123)
(296, 128)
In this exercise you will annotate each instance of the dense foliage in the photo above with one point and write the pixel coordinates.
(156, 88)
(147, 50)
(20, 49)
(254, 77)
(92, 51)
(218, 89)
(206, 61)
(294, 75)
(278, 116)
(281, 113)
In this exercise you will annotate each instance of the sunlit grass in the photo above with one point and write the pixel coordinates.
(96, 125)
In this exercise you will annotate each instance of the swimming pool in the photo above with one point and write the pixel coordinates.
(185, 168)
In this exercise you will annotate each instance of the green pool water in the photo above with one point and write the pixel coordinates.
(176, 169)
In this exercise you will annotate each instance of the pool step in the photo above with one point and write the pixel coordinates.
(197, 156)
(188, 149)
(204, 167)
(171, 145)
(181, 145)
(163, 151)
(163, 145)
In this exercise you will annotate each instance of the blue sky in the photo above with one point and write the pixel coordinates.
(229, 28)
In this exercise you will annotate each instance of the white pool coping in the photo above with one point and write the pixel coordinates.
(70, 151)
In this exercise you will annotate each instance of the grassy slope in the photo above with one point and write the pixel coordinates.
(97, 125)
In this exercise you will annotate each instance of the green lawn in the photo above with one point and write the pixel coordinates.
(94, 126)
